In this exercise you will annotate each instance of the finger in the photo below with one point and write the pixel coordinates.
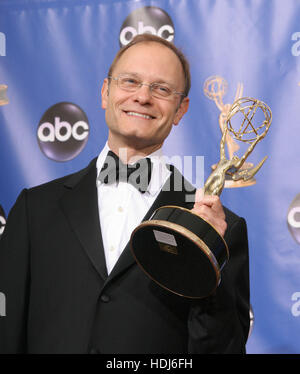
(209, 215)
(199, 195)
(213, 202)
(202, 210)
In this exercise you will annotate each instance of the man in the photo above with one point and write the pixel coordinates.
(70, 280)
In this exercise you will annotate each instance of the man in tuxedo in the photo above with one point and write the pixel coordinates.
(70, 280)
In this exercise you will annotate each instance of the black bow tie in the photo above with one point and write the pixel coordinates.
(138, 174)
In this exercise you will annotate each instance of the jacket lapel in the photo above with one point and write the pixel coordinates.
(79, 204)
(168, 196)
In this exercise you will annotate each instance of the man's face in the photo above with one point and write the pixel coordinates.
(138, 119)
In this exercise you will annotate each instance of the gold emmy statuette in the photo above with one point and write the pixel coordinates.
(215, 88)
(3, 97)
(178, 249)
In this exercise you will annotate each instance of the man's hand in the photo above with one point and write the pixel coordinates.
(209, 208)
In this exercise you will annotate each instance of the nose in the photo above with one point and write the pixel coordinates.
(143, 94)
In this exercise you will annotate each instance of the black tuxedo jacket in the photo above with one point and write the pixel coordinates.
(59, 298)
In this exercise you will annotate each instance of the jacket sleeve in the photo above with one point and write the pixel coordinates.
(14, 278)
(220, 323)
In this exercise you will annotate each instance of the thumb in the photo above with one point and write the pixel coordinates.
(199, 195)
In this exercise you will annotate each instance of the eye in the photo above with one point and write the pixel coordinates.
(161, 89)
(129, 81)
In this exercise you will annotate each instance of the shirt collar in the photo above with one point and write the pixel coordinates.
(160, 172)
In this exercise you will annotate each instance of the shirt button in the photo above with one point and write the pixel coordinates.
(105, 298)
(120, 209)
(111, 248)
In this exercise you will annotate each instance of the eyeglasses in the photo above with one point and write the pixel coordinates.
(132, 84)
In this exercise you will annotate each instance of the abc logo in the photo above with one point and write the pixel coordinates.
(2, 221)
(63, 131)
(150, 20)
(293, 218)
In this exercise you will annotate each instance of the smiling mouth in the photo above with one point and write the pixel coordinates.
(140, 115)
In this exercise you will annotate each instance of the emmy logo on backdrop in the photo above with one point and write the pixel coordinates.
(3, 97)
(215, 88)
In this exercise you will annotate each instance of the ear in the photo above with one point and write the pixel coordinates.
(183, 107)
(104, 94)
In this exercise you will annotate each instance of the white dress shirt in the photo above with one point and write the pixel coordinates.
(122, 207)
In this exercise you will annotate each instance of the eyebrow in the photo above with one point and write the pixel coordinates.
(136, 75)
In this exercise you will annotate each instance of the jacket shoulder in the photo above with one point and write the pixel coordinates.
(231, 217)
(69, 180)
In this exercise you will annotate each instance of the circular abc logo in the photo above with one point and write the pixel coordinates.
(63, 131)
(293, 218)
(2, 221)
(148, 19)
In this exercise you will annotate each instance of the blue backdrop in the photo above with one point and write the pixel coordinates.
(58, 52)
